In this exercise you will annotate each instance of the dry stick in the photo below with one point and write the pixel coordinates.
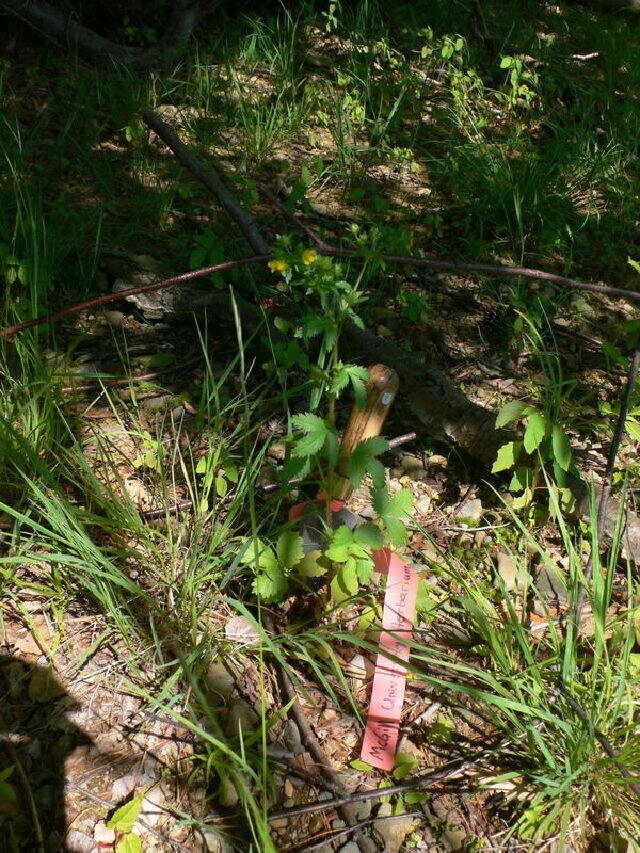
(343, 805)
(331, 837)
(209, 176)
(417, 784)
(162, 284)
(632, 377)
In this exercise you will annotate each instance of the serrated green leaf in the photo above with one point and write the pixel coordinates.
(123, 818)
(315, 430)
(535, 432)
(271, 585)
(507, 456)
(368, 534)
(364, 569)
(400, 504)
(290, 549)
(396, 531)
(509, 413)
(561, 447)
(312, 565)
(130, 843)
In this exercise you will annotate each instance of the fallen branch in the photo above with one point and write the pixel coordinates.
(210, 177)
(417, 784)
(66, 32)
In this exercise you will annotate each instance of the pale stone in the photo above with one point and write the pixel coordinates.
(471, 510)
(102, 834)
(395, 830)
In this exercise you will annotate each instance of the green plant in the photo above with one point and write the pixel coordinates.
(521, 83)
(327, 300)
(544, 440)
(122, 822)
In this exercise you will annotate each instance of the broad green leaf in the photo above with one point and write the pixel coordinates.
(364, 569)
(348, 576)
(634, 264)
(131, 843)
(426, 604)
(359, 764)
(561, 448)
(506, 62)
(507, 456)
(271, 585)
(405, 764)
(124, 817)
(521, 479)
(289, 549)
(509, 413)
(312, 565)
(535, 432)
(368, 534)
(222, 487)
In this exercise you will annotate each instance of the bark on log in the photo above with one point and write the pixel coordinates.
(69, 34)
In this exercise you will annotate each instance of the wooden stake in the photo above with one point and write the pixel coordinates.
(367, 422)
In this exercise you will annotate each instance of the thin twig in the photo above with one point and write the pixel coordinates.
(163, 284)
(295, 220)
(417, 784)
(330, 837)
(208, 176)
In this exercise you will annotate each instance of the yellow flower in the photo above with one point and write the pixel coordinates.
(309, 257)
(278, 266)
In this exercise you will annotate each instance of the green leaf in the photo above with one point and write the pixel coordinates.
(405, 764)
(506, 62)
(426, 604)
(360, 460)
(315, 430)
(368, 534)
(289, 549)
(222, 487)
(123, 818)
(535, 432)
(521, 479)
(359, 764)
(312, 565)
(401, 503)
(396, 531)
(561, 448)
(633, 264)
(507, 456)
(271, 585)
(131, 843)
(509, 413)
(348, 576)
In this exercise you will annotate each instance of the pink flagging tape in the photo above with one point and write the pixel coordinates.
(297, 510)
(389, 679)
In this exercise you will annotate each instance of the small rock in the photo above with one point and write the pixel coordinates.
(329, 715)
(214, 843)
(152, 807)
(220, 680)
(359, 668)
(292, 738)
(409, 462)
(423, 506)
(350, 847)
(470, 510)
(114, 318)
(288, 788)
(79, 842)
(439, 461)
(242, 718)
(102, 834)
(393, 831)
(227, 794)
(156, 402)
(123, 786)
(509, 571)
(454, 839)
(550, 585)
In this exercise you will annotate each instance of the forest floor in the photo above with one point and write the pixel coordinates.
(138, 442)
